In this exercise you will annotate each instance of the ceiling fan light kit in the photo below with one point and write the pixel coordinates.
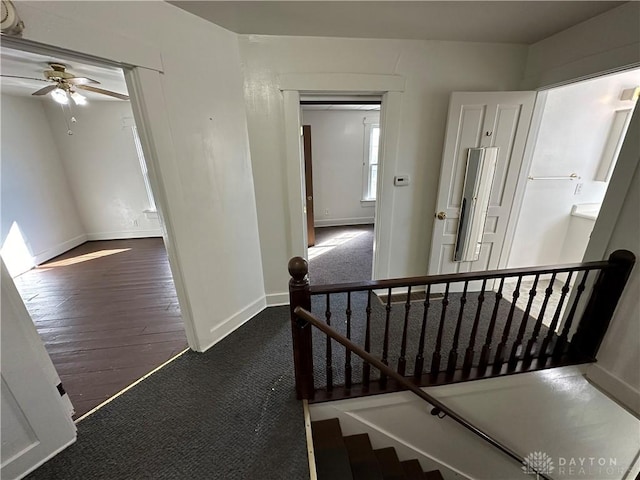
(60, 96)
(78, 99)
(64, 84)
(63, 87)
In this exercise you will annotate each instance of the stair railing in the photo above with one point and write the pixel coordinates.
(502, 339)
(304, 318)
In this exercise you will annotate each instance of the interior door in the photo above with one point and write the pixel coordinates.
(479, 119)
(36, 422)
(308, 183)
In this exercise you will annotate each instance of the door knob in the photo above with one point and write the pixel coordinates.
(309, 198)
(441, 215)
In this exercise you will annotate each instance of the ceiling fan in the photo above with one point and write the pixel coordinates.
(64, 85)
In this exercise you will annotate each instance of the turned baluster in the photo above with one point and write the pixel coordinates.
(347, 361)
(366, 368)
(417, 370)
(435, 361)
(499, 358)
(513, 358)
(453, 354)
(470, 353)
(329, 353)
(562, 340)
(486, 348)
(528, 352)
(385, 345)
(542, 355)
(402, 361)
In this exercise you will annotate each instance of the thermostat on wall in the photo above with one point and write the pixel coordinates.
(401, 180)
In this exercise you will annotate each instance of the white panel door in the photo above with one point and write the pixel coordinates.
(36, 422)
(479, 119)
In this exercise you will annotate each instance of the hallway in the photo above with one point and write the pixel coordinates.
(341, 254)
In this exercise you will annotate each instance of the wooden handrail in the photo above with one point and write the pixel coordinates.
(455, 277)
(308, 317)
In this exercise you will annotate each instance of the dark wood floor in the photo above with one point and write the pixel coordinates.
(108, 314)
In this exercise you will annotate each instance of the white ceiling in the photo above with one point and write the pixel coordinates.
(32, 65)
(523, 22)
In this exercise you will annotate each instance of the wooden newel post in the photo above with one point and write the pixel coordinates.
(301, 332)
(602, 305)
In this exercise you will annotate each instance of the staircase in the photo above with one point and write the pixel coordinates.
(353, 458)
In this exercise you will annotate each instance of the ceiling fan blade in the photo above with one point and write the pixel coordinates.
(24, 78)
(103, 92)
(45, 90)
(82, 81)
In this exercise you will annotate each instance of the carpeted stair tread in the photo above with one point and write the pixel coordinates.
(433, 475)
(412, 470)
(332, 459)
(389, 464)
(364, 464)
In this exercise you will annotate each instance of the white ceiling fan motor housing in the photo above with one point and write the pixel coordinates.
(11, 23)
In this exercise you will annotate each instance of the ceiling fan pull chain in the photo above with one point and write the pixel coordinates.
(69, 131)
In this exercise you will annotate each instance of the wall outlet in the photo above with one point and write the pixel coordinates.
(326, 211)
(135, 223)
(578, 189)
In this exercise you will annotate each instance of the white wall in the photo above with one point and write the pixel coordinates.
(571, 139)
(35, 193)
(431, 69)
(199, 143)
(606, 42)
(337, 151)
(103, 170)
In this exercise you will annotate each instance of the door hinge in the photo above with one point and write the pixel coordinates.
(61, 390)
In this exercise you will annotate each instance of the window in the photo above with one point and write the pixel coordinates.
(370, 163)
(143, 167)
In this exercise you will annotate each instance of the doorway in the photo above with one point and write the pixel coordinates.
(581, 129)
(580, 133)
(77, 205)
(341, 144)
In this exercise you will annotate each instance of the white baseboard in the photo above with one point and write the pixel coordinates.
(124, 235)
(236, 320)
(336, 222)
(277, 299)
(59, 249)
(614, 387)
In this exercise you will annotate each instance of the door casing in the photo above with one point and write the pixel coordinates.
(390, 87)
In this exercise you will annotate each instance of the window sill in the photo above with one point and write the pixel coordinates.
(367, 203)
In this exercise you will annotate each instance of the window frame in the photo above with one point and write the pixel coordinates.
(369, 127)
(145, 172)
